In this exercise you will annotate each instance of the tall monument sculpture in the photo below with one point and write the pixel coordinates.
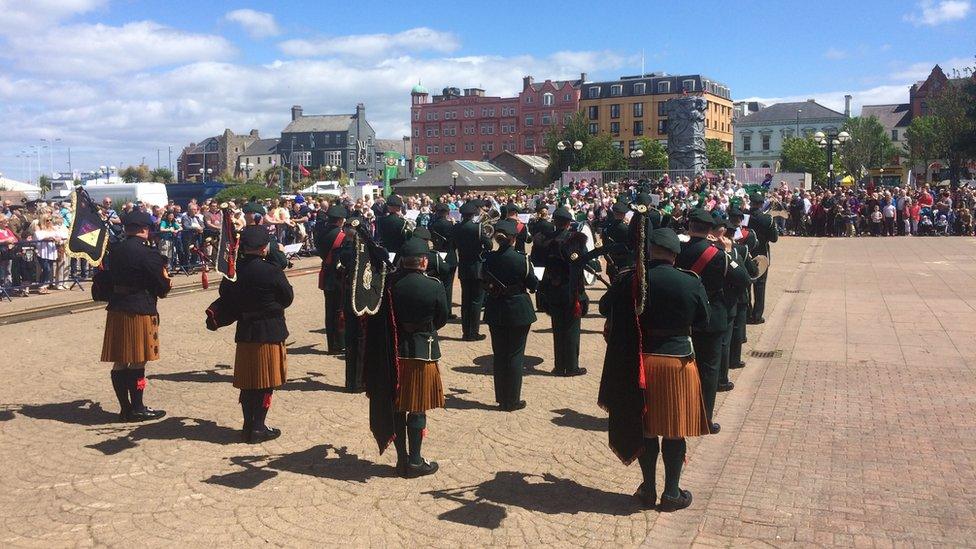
(686, 133)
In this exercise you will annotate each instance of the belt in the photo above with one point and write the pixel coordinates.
(126, 290)
(255, 315)
(668, 332)
(413, 327)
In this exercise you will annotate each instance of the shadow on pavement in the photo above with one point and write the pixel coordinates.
(576, 420)
(6, 415)
(307, 350)
(455, 402)
(170, 428)
(316, 461)
(482, 504)
(318, 331)
(309, 383)
(76, 412)
(221, 373)
(483, 364)
(582, 331)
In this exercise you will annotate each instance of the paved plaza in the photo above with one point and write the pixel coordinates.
(856, 426)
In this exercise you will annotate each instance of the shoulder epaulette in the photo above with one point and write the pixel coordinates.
(688, 272)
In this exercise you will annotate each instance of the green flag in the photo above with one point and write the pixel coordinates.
(419, 165)
(390, 159)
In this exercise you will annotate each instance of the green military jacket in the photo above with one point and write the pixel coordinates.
(470, 245)
(325, 236)
(713, 278)
(737, 280)
(508, 275)
(765, 229)
(392, 232)
(420, 308)
(442, 234)
(617, 238)
(740, 254)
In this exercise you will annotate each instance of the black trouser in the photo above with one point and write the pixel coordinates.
(565, 337)
(508, 354)
(738, 335)
(79, 267)
(354, 369)
(759, 296)
(708, 358)
(472, 299)
(335, 337)
(448, 283)
(727, 335)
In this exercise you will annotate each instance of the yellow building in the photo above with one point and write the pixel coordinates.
(633, 107)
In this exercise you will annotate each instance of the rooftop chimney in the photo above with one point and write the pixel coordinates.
(847, 105)
(255, 134)
(296, 112)
(526, 82)
(360, 111)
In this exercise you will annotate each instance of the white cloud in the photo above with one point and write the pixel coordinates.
(21, 17)
(835, 54)
(374, 45)
(257, 24)
(878, 95)
(91, 51)
(921, 71)
(932, 13)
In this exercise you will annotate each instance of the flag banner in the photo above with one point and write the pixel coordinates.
(88, 234)
(390, 170)
(303, 171)
(419, 165)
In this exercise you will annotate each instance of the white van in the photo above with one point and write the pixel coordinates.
(152, 194)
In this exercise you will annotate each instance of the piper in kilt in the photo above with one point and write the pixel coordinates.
(650, 385)
(260, 296)
(137, 276)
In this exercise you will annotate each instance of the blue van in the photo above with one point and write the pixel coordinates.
(182, 193)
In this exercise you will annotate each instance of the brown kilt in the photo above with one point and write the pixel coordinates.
(420, 387)
(674, 407)
(260, 365)
(130, 337)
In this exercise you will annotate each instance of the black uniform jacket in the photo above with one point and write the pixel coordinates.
(539, 227)
(442, 235)
(260, 296)
(713, 277)
(420, 309)
(765, 230)
(391, 232)
(508, 275)
(138, 275)
(325, 237)
(562, 283)
(675, 303)
(740, 254)
(470, 245)
(523, 237)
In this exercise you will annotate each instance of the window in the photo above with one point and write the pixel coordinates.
(746, 142)
(894, 135)
(593, 92)
(333, 157)
(437, 132)
(529, 142)
(529, 121)
(632, 145)
(430, 116)
(593, 112)
(640, 88)
(567, 118)
(436, 115)
(615, 128)
(528, 98)
(594, 128)
(491, 112)
(638, 127)
(416, 115)
(437, 149)
(662, 127)
(660, 108)
(430, 149)
(567, 97)
(547, 99)
(638, 110)
(619, 145)
(765, 142)
(616, 90)
(664, 87)
(416, 149)
(546, 120)
(688, 85)
(614, 111)
(484, 112)
(430, 132)
(416, 132)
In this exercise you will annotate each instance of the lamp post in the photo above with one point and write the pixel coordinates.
(573, 147)
(454, 176)
(246, 168)
(637, 154)
(798, 111)
(331, 171)
(828, 142)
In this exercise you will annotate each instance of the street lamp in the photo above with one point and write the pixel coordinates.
(828, 141)
(246, 168)
(331, 171)
(574, 146)
(454, 176)
(637, 154)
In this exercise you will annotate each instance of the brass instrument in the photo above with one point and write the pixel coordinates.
(487, 222)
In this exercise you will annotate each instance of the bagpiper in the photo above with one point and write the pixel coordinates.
(330, 238)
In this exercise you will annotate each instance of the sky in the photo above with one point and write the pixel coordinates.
(119, 81)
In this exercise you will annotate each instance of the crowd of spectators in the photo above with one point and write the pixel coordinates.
(33, 236)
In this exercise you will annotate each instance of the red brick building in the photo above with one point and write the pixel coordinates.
(469, 125)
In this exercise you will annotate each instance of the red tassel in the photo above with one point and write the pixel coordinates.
(423, 433)
(578, 310)
(642, 377)
(141, 384)
(204, 280)
(342, 321)
(267, 401)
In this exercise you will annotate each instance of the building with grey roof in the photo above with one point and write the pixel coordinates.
(759, 137)
(343, 140)
(473, 176)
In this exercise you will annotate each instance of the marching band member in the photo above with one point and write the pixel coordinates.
(764, 227)
(441, 231)
(330, 237)
(471, 244)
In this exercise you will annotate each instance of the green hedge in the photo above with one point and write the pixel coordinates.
(245, 192)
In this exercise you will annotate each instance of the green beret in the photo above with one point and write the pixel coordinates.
(414, 247)
(735, 212)
(621, 207)
(337, 211)
(441, 207)
(254, 208)
(701, 215)
(665, 238)
(394, 200)
(757, 198)
(422, 233)
(506, 227)
(470, 207)
(254, 237)
(562, 213)
(137, 218)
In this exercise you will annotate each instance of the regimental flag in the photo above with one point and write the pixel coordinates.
(390, 170)
(303, 171)
(419, 165)
(227, 246)
(88, 235)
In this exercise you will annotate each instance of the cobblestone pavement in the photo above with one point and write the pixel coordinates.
(863, 431)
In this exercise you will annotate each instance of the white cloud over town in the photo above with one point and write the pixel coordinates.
(933, 13)
(257, 24)
(414, 40)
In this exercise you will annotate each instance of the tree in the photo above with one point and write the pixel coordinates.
(718, 156)
(243, 193)
(957, 124)
(132, 174)
(801, 155)
(568, 159)
(926, 141)
(601, 154)
(44, 183)
(655, 154)
(161, 175)
(868, 147)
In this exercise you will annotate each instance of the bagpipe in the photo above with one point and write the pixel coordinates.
(222, 313)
